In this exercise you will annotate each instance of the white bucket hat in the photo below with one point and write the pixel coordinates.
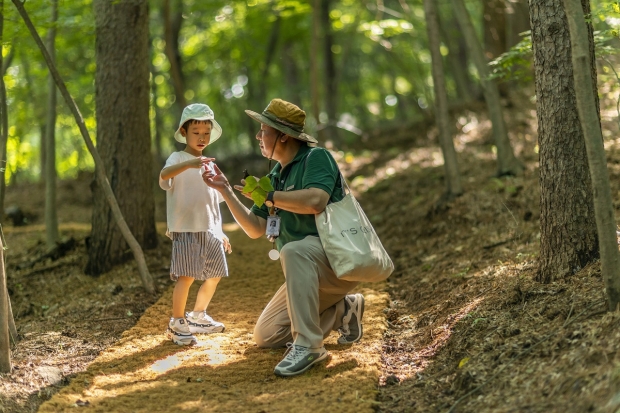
(198, 111)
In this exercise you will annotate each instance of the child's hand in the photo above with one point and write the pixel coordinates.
(227, 246)
(200, 161)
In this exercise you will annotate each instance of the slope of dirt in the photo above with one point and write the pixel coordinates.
(469, 329)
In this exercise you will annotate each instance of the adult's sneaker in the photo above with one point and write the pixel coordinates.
(299, 359)
(178, 332)
(202, 323)
(352, 330)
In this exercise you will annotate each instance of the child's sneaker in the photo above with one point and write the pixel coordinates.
(178, 332)
(201, 322)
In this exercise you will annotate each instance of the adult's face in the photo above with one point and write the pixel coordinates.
(267, 140)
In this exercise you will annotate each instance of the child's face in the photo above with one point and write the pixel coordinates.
(198, 136)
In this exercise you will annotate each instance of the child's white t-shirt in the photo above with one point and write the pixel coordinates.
(191, 205)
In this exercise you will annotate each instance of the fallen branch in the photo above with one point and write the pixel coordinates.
(102, 179)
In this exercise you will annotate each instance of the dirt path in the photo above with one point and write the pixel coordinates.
(144, 372)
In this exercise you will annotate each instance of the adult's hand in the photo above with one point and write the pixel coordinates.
(214, 178)
(239, 188)
(253, 225)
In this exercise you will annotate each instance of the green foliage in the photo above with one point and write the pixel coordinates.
(516, 63)
(258, 189)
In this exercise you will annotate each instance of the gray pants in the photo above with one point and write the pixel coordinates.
(310, 303)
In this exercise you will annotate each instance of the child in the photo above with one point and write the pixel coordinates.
(194, 225)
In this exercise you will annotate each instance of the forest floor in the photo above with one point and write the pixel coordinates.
(460, 326)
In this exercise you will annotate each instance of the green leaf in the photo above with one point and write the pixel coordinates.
(265, 184)
(250, 184)
(259, 196)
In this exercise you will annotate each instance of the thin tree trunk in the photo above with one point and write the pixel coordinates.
(314, 70)
(458, 67)
(4, 121)
(5, 344)
(270, 53)
(291, 74)
(568, 237)
(157, 116)
(172, 28)
(329, 75)
(100, 173)
(453, 181)
(494, 16)
(517, 21)
(506, 161)
(51, 216)
(590, 123)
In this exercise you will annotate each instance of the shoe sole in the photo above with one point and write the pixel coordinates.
(177, 341)
(287, 374)
(359, 324)
(200, 330)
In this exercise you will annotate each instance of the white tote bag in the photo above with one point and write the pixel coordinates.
(350, 242)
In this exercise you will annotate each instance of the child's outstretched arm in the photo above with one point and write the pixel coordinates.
(171, 171)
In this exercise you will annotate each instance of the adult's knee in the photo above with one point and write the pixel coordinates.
(273, 337)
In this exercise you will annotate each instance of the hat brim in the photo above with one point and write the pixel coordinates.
(282, 128)
(216, 131)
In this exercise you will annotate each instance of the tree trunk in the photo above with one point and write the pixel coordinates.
(568, 237)
(291, 74)
(507, 163)
(591, 126)
(123, 131)
(157, 141)
(5, 343)
(494, 19)
(270, 53)
(4, 121)
(329, 74)
(442, 118)
(458, 62)
(100, 173)
(173, 19)
(314, 70)
(51, 217)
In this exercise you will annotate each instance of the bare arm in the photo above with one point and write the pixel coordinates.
(254, 226)
(303, 201)
(173, 170)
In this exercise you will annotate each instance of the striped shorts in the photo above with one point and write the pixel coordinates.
(199, 255)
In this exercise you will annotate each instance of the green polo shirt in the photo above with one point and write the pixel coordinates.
(320, 171)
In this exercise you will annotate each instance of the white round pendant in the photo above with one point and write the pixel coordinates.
(274, 254)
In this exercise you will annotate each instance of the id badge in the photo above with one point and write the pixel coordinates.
(273, 226)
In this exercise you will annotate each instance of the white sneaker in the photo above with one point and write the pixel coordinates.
(178, 332)
(201, 322)
(299, 359)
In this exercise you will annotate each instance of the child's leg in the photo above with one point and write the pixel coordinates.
(179, 296)
(205, 293)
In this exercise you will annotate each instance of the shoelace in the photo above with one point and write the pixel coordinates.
(295, 353)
